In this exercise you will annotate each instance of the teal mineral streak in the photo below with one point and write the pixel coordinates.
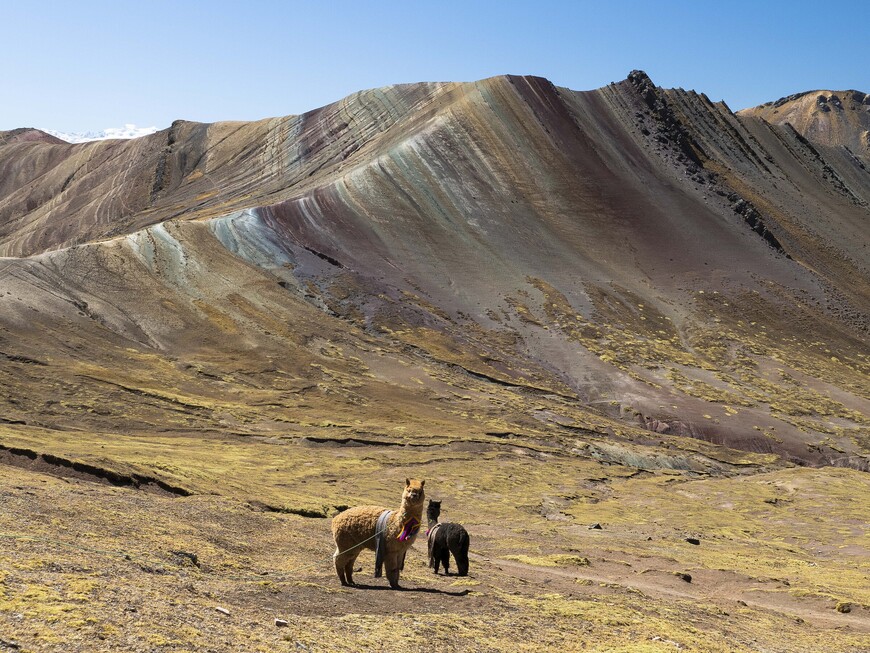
(408, 173)
(143, 248)
(160, 251)
(246, 235)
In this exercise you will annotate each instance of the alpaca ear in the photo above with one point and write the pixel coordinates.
(407, 482)
(422, 483)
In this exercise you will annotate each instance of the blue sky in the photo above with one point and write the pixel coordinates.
(92, 64)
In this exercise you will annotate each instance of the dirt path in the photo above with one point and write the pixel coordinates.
(722, 588)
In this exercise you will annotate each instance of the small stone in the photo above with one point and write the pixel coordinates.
(683, 576)
(186, 558)
(596, 526)
(223, 611)
(693, 540)
(844, 607)
(281, 623)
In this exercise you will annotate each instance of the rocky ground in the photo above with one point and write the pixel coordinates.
(760, 557)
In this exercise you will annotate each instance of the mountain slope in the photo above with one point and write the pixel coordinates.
(828, 118)
(641, 251)
(622, 333)
(56, 196)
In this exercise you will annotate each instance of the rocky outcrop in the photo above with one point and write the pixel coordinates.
(826, 118)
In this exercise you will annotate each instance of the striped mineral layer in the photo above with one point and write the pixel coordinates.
(487, 258)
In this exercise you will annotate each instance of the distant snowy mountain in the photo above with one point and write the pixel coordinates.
(127, 131)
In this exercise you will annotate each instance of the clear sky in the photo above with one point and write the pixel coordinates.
(91, 64)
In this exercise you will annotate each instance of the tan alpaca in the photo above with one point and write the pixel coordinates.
(356, 529)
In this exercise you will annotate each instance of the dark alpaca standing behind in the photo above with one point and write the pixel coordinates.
(444, 539)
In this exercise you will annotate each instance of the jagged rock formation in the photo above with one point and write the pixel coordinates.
(538, 258)
(836, 119)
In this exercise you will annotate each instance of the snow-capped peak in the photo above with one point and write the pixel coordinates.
(127, 131)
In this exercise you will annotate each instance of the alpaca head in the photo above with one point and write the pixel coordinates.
(413, 494)
(433, 510)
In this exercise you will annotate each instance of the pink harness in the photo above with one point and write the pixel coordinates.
(409, 529)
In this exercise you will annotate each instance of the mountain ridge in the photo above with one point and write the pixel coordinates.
(489, 203)
(128, 131)
(824, 117)
(622, 334)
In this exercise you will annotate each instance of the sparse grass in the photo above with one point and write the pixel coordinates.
(513, 454)
(499, 498)
(719, 356)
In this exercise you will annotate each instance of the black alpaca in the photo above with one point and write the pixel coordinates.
(444, 539)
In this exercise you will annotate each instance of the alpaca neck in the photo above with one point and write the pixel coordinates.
(406, 511)
(431, 521)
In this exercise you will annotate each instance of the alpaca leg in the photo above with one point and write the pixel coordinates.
(344, 566)
(340, 563)
(445, 560)
(460, 554)
(435, 558)
(462, 560)
(391, 564)
(462, 563)
(348, 570)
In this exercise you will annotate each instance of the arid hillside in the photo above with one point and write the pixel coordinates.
(628, 306)
(835, 119)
